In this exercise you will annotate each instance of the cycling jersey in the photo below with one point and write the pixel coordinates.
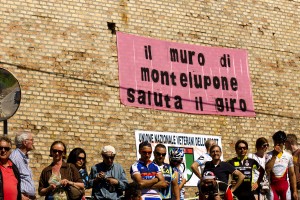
(247, 167)
(203, 158)
(169, 175)
(279, 183)
(147, 171)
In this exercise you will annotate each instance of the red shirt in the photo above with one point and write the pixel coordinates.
(10, 182)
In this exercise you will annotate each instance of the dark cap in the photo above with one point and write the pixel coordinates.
(279, 136)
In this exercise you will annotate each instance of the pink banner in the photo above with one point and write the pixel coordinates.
(183, 78)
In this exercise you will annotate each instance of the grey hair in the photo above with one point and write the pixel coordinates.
(20, 137)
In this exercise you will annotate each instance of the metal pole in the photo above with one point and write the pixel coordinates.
(5, 127)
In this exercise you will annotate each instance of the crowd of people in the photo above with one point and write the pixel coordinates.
(261, 175)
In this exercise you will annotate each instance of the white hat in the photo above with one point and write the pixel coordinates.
(208, 175)
(108, 150)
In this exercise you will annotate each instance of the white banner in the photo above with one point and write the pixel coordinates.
(193, 144)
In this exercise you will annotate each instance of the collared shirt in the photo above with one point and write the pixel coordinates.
(102, 190)
(10, 182)
(22, 163)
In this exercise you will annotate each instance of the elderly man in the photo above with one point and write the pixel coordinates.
(24, 144)
(9, 174)
(108, 179)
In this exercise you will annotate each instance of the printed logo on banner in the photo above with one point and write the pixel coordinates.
(187, 161)
(193, 145)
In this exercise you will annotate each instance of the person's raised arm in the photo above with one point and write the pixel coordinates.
(271, 162)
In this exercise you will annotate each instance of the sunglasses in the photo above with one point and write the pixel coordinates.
(176, 161)
(242, 148)
(81, 158)
(4, 148)
(265, 145)
(160, 154)
(109, 157)
(146, 152)
(57, 151)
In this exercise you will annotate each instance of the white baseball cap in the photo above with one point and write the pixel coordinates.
(108, 150)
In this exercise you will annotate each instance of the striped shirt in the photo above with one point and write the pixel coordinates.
(148, 171)
(22, 163)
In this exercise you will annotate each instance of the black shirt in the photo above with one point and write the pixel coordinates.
(246, 167)
(221, 171)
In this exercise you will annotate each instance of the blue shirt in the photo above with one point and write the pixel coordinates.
(102, 190)
(22, 163)
(148, 171)
(85, 177)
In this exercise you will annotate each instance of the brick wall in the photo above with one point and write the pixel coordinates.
(65, 58)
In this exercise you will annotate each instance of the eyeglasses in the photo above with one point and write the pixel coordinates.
(146, 152)
(242, 148)
(81, 158)
(109, 157)
(265, 145)
(160, 154)
(5, 148)
(57, 151)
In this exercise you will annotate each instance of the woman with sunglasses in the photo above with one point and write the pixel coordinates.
(78, 158)
(55, 178)
(260, 156)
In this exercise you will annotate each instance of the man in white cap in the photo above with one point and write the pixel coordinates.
(108, 179)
